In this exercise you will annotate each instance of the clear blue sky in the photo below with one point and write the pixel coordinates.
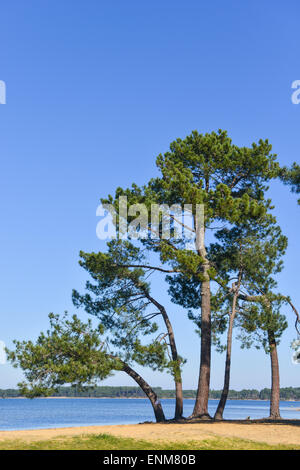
(95, 90)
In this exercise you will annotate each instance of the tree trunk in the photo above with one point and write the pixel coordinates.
(173, 348)
(201, 404)
(157, 408)
(177, 371)
(275, 387)
(224, 396)
(179, 399)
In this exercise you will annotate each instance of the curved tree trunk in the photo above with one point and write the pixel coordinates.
(275, 387)
(177, 371)
(175, 359)
(157, 408)
(224, 396)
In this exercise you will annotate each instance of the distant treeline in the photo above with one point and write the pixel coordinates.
(288, 393)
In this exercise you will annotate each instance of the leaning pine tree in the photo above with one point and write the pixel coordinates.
(73, 352)
(120, 297)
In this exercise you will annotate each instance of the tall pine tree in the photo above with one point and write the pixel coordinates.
(230, 182)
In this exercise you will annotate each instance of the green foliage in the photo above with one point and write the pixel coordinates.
(258, 258)
(120, 297)
(69, 352)
(291, 176)
(231, 183)
(205, 169)
(251, 252)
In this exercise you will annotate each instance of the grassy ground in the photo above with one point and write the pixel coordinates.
(109, 442)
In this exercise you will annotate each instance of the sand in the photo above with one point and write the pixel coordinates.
(268, 433)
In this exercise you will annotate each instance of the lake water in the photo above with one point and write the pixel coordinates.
(52, 413)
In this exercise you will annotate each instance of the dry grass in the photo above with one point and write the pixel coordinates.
(203, 435)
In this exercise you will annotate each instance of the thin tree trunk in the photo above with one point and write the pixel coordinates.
(157, 408)
(179, 399)
(177, 371)
(225, 391)
(275, 387)
(175, 359)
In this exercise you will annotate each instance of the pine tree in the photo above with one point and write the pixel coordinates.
(263, 319)
(121, 298)
(72, 352)
(291, 176)
(230, 182)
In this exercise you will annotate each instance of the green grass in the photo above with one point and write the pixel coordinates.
(108, 442)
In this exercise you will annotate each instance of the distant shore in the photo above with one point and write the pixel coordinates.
(139, 398)
(291, 394)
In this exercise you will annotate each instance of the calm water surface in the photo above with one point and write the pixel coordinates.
(52, 413)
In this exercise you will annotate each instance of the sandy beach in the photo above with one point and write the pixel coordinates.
(273, 434)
